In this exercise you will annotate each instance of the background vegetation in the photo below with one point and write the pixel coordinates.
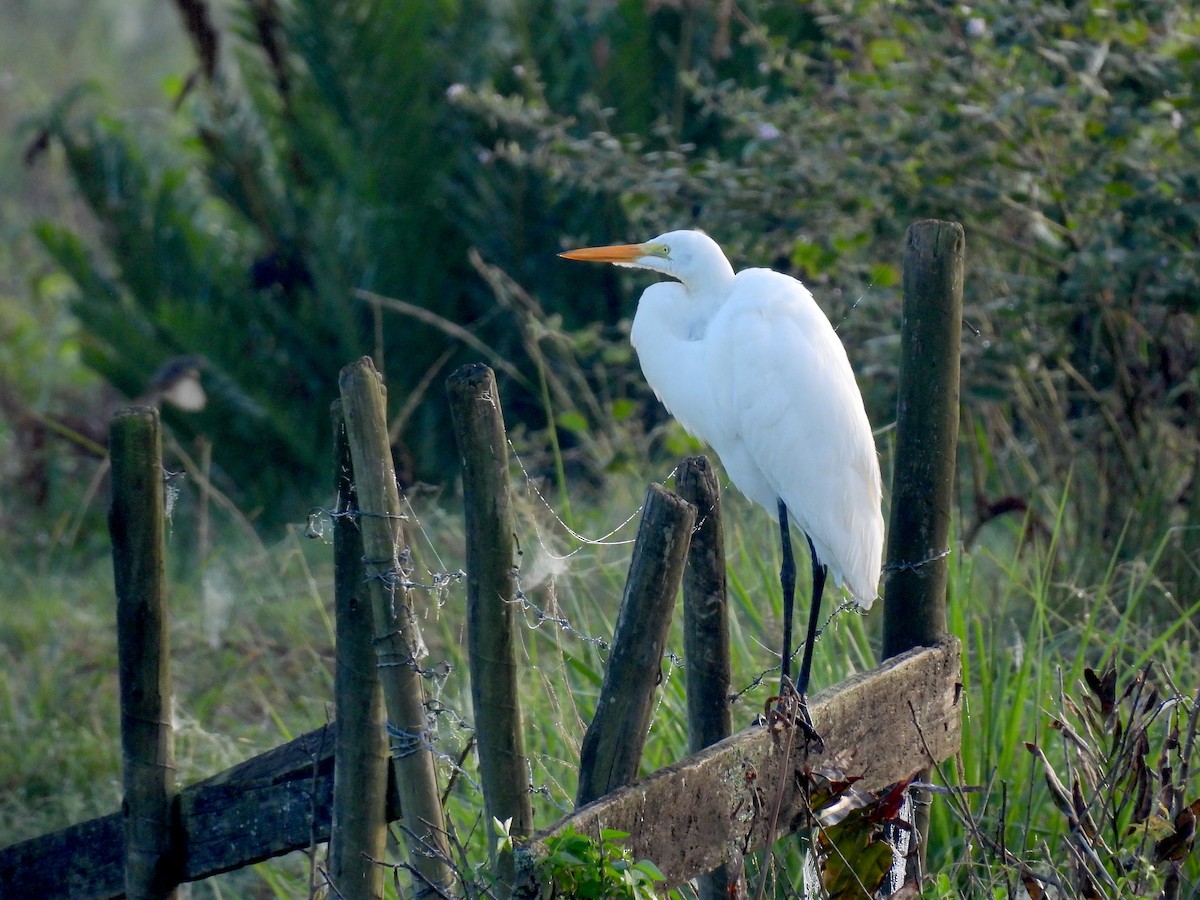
(278, 188)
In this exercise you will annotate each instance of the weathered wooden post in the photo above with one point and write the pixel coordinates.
(705, 608)
(706, 628)
(914, 609)
(612, 747)
(399, 648)
(359, 830)
(491, 596)
(135, 523)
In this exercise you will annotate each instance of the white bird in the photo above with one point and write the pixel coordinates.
(750, 364)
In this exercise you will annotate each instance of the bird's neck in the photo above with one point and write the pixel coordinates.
(714, 280)
(707, 290)
(702, 305)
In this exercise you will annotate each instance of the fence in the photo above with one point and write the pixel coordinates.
(343, 783)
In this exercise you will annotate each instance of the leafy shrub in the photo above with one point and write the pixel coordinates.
(1063, 137)
(579, 866)
(326, 150)
(303, 191)
(1116, 767)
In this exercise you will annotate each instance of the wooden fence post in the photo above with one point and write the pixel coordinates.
(359, 828)
(135, 522)
(705, 608)
(612, 747)
(914, 609)
(706, 630)
(491, 595)
(398, 645)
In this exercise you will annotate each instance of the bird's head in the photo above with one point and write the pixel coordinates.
(691, 256)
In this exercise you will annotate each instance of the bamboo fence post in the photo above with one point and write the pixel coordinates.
(398, 645)
(914, 609)
(491, 594)
(612, 747)
(706, 629)
(359, 831)
(135, 522)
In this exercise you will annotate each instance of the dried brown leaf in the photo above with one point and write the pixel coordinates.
(1177, 845)
(1062, 797)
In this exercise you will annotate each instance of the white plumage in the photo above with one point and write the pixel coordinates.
(750, 364)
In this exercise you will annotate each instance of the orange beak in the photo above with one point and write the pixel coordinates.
(620, 253)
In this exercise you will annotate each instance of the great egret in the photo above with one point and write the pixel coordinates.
(750, 364)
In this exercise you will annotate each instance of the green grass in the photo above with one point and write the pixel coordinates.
(252, 653)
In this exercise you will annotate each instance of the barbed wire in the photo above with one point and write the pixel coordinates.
(602, 541)
(760, 680)
(918, 565)
(854, 306)
(439, 584)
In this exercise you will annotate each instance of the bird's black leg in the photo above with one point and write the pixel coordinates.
(787, 579)
(818, 588)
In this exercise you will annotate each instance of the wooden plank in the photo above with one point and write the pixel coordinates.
(272, 804)
(86, 860)
(883, 725)
(279, 801)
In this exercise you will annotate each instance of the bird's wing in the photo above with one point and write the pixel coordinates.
(793, 422)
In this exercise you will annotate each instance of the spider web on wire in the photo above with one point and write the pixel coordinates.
(537, 584)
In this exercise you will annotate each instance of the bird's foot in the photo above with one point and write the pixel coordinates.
(789, 711)
(812, 738)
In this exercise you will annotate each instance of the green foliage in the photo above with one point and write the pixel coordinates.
(852, 849)
(316, 153)
(1120, 782)
(337, 148)
(1033, 629)
(251, 662)
(307, 162)
(49, 48)
(1119, 787)
(1063, 137)
(329, 149)
(579, 866)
